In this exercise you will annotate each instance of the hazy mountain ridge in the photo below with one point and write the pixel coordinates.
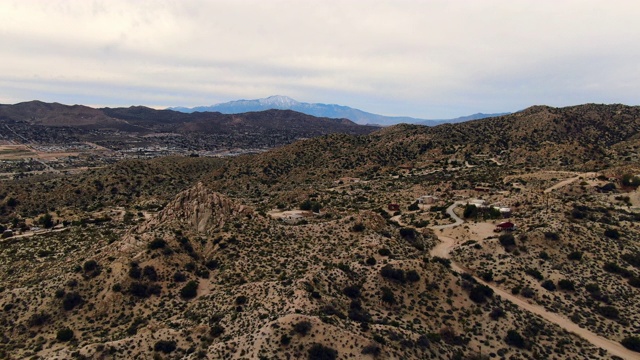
(40, 122)
(321, 110)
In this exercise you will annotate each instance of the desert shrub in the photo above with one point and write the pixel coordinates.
(306, 205)
(507, 241)
(134, 271)
(534, 273)
(630, 180)
(468, 277)
(185, 244)
(423, 341)
(179, 277)
(352, 291)
(190, 290)
(575, 255)
(90, 265)
(527, 292)
(413, 276)
(609, 312)
(202, 273)
(443, 261)
(157, 243)
(150, 273)
(71, 300)
(632, 259)
(216, 330)
(479, 293)
(38, 319)
(616, 269)
(543, 255)
(634, 281)
(487, 275)
(302, 328)
(371, 261)
(331, 310)
(154, 289)
(138, 289)
(46, 221)
(596, 293)
(612, 233)
(549, 285)
(470, 211)
(372, 349)
(566, 285)
(496, 313)
(285, 339)
(387, 295)
(64, 334)
(609, 187)
(321, 352)
(514, 338)
(549, 235)
(414, 206)
(212, 264)
(165, 346)
(631, 343)
(241, 300)
(578, 214)
(384, 252)
(379, 339)
(449, 336)
(388, 272)
(421, 223)
(344, 267)
(358, 227)
(408, 233)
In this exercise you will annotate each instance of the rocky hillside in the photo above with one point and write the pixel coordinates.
(208, 278)
(321, 249)
(584, 137)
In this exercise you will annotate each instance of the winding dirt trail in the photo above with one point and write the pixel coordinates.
(444, 249)
(569, 181)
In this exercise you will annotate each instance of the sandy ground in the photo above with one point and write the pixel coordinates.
(279, 214)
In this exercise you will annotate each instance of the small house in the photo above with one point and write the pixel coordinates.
(479, 203)
(393, 207)
(505, 226)
(505, 212)
(427, 199)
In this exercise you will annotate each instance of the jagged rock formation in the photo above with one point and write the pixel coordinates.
(201, 209)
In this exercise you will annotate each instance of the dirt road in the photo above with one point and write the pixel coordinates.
(444, 249)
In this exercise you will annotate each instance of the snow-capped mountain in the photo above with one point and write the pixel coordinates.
(320, 110)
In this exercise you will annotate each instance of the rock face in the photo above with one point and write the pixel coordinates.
(200, 209)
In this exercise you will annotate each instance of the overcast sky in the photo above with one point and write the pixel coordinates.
(427, 59)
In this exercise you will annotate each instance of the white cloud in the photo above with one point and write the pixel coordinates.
(418, 58)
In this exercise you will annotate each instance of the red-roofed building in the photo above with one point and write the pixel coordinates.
(505, 226)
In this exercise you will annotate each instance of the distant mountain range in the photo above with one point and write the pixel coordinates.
(40, 122)
(322, 110)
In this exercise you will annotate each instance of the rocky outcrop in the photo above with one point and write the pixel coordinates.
(200, 209)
